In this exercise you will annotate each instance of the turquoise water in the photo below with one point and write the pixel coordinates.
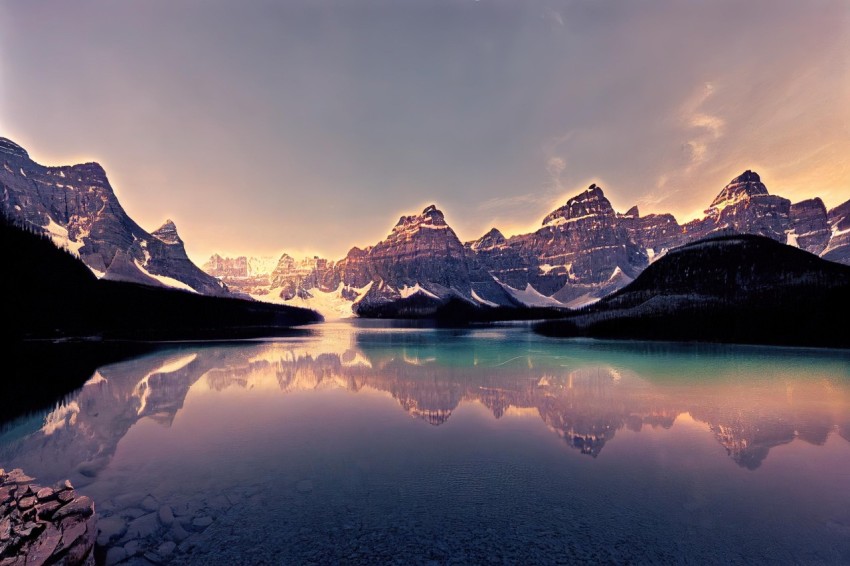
(364, 443)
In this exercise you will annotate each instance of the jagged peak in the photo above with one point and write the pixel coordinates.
(494, 233)
(747, 176)
(492, 239)
(431, 216)
(590, 202)
(746, 185)
(633, 212)
(285, 258)
(9, 147)
(167, 233)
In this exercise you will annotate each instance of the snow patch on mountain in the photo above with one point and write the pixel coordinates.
(483, 301)
(332, 305)
(61, 238)
(618, 274)
(531, 297)
(406, 291)
(791, 240)
(167, 281)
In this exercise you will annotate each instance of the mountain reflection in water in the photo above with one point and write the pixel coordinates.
(364, 442)
(752, 399)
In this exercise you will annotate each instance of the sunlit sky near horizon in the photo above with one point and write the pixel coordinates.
(311, 126)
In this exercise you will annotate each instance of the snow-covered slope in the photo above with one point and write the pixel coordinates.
(531, 297)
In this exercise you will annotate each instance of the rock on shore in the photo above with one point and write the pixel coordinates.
(44, 525)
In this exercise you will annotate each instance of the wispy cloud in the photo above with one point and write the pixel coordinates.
(555, 166)
(555, 17)
(704, 129)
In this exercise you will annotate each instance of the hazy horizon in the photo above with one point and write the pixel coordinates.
(310, 127)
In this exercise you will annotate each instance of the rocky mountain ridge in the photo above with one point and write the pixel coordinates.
(584, 250)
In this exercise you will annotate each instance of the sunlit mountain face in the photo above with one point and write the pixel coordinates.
(366, 421)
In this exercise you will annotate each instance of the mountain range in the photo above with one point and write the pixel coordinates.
(583, 250)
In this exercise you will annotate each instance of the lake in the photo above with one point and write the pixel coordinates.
(359, 442)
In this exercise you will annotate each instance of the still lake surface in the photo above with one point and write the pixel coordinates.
(363, 442)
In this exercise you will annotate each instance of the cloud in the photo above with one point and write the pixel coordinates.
(555, 166)
(704, 128)
(555, 17)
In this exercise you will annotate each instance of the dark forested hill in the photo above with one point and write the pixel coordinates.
(747, 289)
(48, 293)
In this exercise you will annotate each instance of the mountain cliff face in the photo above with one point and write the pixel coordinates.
(809, 228)
(78, 208)
(838, 248)
(654, 233)
(295, 278)
(580, 243)
(422, 255)
(744, 207)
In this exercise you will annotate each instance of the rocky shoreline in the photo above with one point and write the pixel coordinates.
(44, 525)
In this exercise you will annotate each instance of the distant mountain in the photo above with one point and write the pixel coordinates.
(240, 267)
(243, 275)
(292, 278)
(54, 295)
(78, 208)
(738, 288)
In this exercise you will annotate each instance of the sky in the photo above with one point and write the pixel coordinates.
(311, 126)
